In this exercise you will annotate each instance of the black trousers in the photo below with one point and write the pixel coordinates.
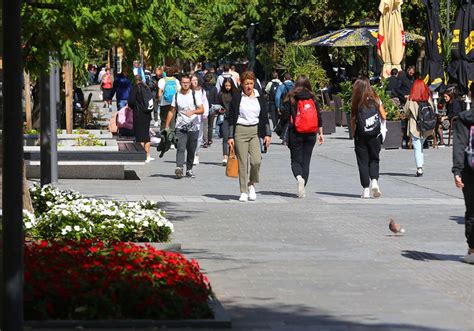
(468, 191)
(210, 126)
(301, 149)
(186, 144)
(225, 137)
(272, 112)
(367, 151)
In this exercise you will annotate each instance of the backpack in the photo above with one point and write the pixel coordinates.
(125, 118)
(470, 148)
(426, 118)
(170, 89)
(145, 99)
(282, 97)
(306, 117)
(368, 121)
(273, 89)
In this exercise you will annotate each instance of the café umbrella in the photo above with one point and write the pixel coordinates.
(391, 35)
(434, 70)
(461, 68)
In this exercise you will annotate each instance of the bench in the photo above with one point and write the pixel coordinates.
(91, 164)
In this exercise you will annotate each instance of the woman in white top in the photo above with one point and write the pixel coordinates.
(248, 121)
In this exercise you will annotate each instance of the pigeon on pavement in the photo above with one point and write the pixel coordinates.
(394, 227)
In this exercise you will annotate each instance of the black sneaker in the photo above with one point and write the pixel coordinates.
(190, 174)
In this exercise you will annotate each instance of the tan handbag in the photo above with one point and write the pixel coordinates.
(232, 168)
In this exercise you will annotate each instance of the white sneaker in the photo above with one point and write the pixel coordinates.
(252, 193)
(149, 158)
(224, 162)
(196, 160)
(173, 147)
(365, 193)
(469, 258)
(244, 197)
(300, 186)
(375, 189)
(178, 172)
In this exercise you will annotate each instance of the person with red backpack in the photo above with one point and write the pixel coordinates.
(303, 114)
(463, 171)
(367, 113)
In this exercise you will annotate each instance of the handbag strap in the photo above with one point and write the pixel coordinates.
(231, 151)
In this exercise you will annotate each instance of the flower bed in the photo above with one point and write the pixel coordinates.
(67, 215)
(88, 279)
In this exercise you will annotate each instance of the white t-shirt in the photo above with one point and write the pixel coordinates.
(249, 110)
(161, 86)
(186, 103)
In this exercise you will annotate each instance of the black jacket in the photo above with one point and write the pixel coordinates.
(234, 112)
(290, 109)
(461, 140)
(454, 108)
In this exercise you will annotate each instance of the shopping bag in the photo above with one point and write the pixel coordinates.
(232, 168)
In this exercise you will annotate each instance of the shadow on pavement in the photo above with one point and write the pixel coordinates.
(337, 194)
(131, 175)
(298, 317)
(163, 176)
(425, 256)
(212, 163)
(222, 197)
(397, 174)
(280, 194)
(457, 219)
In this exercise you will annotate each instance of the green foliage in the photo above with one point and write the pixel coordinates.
(89, 140)
(301, 61)
(393, 114)
(346, 96)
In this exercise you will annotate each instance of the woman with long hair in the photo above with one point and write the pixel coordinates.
(419, 95)
(301, 144)
(225, 98)
(367, 113)
(248, 122)
(200, 92)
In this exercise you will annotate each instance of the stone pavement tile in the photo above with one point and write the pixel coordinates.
(327, 261)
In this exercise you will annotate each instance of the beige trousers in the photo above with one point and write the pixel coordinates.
(247, 148)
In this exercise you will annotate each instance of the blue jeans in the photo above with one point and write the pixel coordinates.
(418, 148)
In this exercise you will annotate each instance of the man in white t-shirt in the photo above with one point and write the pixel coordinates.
(188, 105)
(167, 88)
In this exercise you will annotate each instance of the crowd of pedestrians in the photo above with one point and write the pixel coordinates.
(197, 107)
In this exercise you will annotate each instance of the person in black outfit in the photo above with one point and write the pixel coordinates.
(225, 98)
(406, 82)
(211, 93)
(453, 104)
(393, 83)
(464, 173)
(367, 148)
(301, 144)
(141, 119)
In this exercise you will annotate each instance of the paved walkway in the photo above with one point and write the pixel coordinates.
(326, 262)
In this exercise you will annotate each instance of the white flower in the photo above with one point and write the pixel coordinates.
(28, 225)
(145, 223)
(77, 228)
(68, 228)
(120, 226)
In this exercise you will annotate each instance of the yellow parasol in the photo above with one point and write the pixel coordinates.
(391, 35)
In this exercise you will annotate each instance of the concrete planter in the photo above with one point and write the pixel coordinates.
(394, 137)
(221, 321)
(339, 114)
(329, 121)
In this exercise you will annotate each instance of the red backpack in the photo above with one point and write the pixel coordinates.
(306, 118)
